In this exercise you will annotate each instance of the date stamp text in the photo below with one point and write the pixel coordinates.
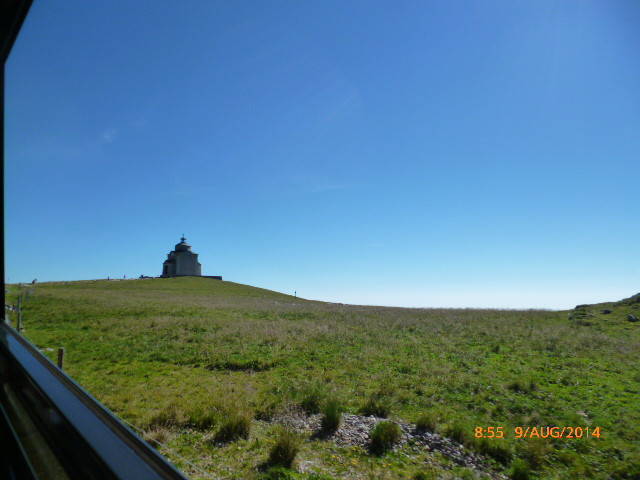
(539, 432)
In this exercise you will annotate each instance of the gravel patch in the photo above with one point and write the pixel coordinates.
(354, 431)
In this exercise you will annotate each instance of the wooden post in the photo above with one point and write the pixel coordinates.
(61, 358)
(19, 313)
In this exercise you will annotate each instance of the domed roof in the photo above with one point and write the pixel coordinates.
(183, 246)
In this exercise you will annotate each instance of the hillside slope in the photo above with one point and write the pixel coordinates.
(613, 313)
(178, 357)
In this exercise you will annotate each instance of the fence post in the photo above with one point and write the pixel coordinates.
(61, 358)
(19, 312)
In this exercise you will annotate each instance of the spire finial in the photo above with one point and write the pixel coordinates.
(183, 239)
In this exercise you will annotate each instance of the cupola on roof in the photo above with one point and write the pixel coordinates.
(183, 246)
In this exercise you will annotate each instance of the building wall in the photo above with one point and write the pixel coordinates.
(168, 270)
(187, 264)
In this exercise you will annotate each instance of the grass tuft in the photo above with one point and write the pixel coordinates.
(427, 422)
(169, 416)
(519, 470)
(236, 425)
(202, 417)
(331, 416)
(458, 432)
(535, 451)
(421, 476)
(522, 386)
(285, 449)
(494, 448)
(157, 436)
(278, 473)
(312, 399)
(384, 436)
(378, 405)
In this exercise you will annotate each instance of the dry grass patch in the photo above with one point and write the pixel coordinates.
(158, 436)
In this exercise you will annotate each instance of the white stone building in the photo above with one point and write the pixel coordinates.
(182, 262)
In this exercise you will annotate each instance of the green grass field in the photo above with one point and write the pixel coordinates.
(191, 361)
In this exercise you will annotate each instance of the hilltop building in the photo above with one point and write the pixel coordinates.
(182, 262)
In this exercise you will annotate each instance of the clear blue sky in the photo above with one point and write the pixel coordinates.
(409, 153)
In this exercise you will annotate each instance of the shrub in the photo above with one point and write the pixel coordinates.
(284, 451)
(235, 425)
(427, 422)
(331, 416)
(384, 436)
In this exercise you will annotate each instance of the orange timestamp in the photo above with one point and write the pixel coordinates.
(539, 432)
(489, 432)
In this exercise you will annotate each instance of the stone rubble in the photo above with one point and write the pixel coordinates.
(354, 431)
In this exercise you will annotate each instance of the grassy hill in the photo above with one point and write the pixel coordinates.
(198, 364)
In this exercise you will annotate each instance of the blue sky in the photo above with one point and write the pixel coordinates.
(409, 153)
